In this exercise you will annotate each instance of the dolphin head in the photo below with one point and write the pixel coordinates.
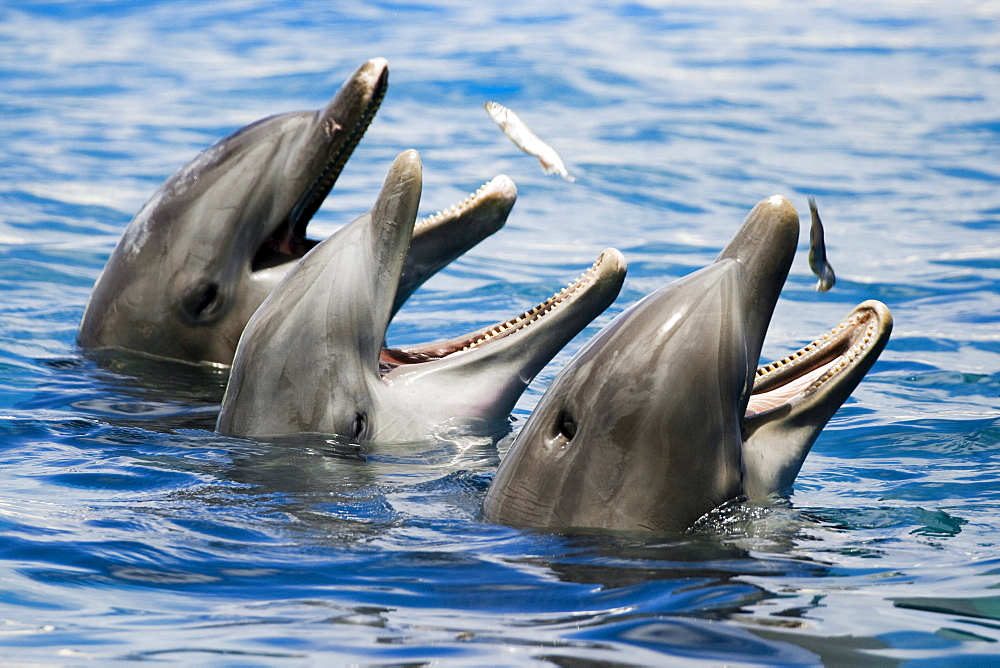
(320, 332)
(472, 382)
(311, 358)
(211, 243)
(208, 247)
(644, 429)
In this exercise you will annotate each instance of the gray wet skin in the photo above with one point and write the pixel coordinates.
(663, 416)
(311, 359)
(209, 246)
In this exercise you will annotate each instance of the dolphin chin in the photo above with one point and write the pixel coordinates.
(311, 359)
(664, 415)
(213, 241)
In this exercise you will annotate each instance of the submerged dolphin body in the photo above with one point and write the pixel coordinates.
(663, 416)
(310, 360)
(209, 246)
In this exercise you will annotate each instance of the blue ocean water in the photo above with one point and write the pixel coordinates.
(128, 531)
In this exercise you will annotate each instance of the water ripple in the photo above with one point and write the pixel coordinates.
(129, 531)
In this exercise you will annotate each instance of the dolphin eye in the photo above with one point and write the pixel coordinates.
(567, 425)
(359, 426)
(202, 302)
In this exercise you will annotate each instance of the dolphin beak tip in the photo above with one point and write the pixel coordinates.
(409, 157)
(881, 311)
(406, 166)
(373, 73)
(613, 257)
(779, 205)
(505, 185)
(768, 236)
(375, 67)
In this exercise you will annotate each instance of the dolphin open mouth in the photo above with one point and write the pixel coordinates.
(289, 242)
(342, 123)
(484, 194)
(306, 207)
(334, 307)
(850, 346)
(609, 268)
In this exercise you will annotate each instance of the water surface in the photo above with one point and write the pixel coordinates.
(128, 531)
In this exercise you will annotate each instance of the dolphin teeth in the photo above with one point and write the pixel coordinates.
(854, 352)
(828, 355)
(541, 310)
(456, 209)
(320, 188)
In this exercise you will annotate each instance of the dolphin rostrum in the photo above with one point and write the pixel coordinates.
(311, 358)
(208, 247)
(663, 416)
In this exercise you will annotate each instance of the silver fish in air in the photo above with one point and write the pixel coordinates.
(526, 140)
(817, 252)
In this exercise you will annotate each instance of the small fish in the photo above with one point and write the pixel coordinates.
(527, 141)
(817, 252)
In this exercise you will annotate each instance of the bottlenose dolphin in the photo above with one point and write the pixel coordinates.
(311, 358)
(213, 241)
(663, 416)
